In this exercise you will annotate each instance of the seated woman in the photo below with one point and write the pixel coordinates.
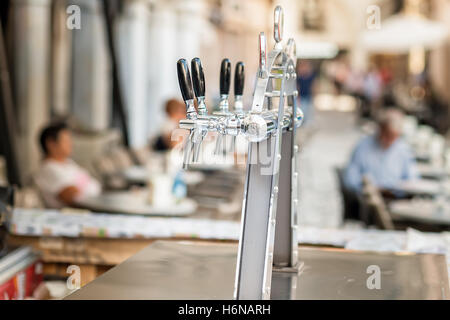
(61, 181)
(175, 111)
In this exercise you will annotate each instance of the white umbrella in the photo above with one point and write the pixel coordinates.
(308, 49)
(402, 32)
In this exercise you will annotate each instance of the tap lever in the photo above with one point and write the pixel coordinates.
(198, 77)
(198, 80)
(184, 80)
(225, 77)
(225, 80)
(239, 80)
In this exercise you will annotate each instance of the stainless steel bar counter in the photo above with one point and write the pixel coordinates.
(191, 270)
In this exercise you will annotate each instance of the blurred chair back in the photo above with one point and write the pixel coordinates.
(6, 202)
(374, 203)
(6, 197)
(122, 158)
(437, 149)
(142, 155)
(422, 139)
(110, 165)
(410, 125)
(350, 203)
(31, 196)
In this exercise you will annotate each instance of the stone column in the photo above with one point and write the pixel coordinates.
(162, 60)
(61, 60)
(31, 73)
(91, 69)
(190, 27)
(133, 56)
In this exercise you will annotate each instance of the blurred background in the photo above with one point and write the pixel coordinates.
(108, 69)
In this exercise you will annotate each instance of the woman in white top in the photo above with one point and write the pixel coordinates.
(61, 181)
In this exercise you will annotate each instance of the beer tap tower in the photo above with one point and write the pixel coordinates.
(268, 240)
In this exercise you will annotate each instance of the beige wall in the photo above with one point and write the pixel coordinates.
(237, 40)
(440, 58)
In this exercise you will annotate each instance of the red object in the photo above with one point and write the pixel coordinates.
(23, 283)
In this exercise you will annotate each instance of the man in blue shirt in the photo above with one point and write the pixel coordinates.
(384, 157)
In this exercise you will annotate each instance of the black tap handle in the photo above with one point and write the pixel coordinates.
(198, 77)
(225, 77)
(184, 79)
(239, 79)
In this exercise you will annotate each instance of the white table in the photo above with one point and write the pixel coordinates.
(422, 156)
(422, 187)
(141, 175)
(421, 210)
(429, 171)
(135, 202)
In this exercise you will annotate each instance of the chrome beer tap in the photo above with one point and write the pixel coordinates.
(239, 80)
(184, 80)
(224, 111)
(198, 80)
(268, 241)
(225, 81)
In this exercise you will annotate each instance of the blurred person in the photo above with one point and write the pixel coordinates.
(386, 74)
(60, 180)
(305, 84)
(355, 87)
(373, 85)
(437, 114)
(175, 111)
(385, 157)
(338, 71)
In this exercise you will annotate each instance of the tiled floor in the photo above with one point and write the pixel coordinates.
(332, 138)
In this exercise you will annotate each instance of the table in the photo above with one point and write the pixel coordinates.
(422, 187)
(425, 211)
(219, 166)
(188, 270)
(141, 175)
(429, 171)
(97, 242)
(135, 202)
(422, 156)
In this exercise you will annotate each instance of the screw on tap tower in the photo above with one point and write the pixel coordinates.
(268, 239)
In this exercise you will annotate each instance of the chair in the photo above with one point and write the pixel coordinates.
(6, 201)
(374, 203)
(141, 155)
(121, 158)
(350, 203)
(108, 172)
